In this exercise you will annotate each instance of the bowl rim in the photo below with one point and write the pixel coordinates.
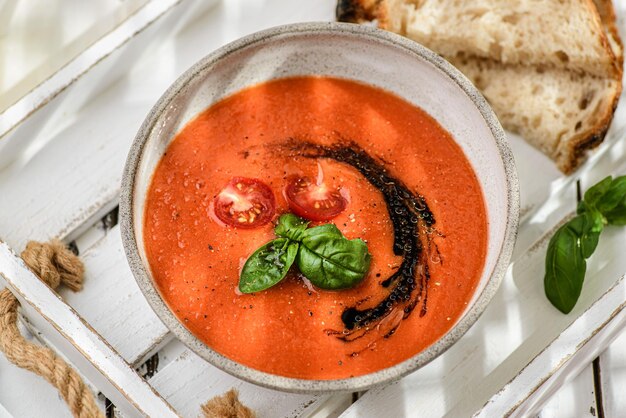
(311, 386)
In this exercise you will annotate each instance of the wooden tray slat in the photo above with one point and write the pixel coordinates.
(113, 304)
(4, 413)
(575, 399)
(613, 369)
(188, 382)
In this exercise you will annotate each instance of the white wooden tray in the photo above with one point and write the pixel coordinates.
(516, 355)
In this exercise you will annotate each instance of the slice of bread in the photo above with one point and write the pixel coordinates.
(564, 34)
(561, 112)
(561, 106)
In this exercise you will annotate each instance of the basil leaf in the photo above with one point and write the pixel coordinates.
(326, 230)
(291, 226)
(591, 227)
(617, 215)
(268, 265)
(609, 200)
(595, 193)
(574, 242)
(582, 207)
(614, 196)
(330, 260)
(565, 265)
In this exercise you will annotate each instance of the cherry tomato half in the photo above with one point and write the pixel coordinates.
(312, 201)
(245, 203)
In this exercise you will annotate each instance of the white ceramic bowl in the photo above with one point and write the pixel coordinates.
(348, 51)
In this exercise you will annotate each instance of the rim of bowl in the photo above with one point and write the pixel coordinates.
(296, 385)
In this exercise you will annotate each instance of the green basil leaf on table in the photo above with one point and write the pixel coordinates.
(617, 215)
(614, 196)
(589, 233)
(331, 261)
(604, 204)
(565, 265)
(291, 226)
(582, 207)
(268, 265)
(597, 191)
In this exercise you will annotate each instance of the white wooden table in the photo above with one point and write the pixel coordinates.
(62, 149)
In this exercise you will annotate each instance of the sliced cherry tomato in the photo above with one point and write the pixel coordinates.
(312, 201)
(245, 203)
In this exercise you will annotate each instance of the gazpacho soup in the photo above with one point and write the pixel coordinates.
(315, 228)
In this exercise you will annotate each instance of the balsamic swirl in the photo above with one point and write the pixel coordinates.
(412, 223)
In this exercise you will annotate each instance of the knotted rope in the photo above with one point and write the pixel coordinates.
(226, 406)
(56, 265)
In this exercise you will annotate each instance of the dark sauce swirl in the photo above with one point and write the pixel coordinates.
(412, 223)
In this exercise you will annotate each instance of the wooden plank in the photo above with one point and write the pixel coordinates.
(112, 303)
(189, 381)
(613, 366)
(48, 89)
(566, 357)
(38, 49)
(86, 350)
(332, 407)
(574, 399)
(5, 414)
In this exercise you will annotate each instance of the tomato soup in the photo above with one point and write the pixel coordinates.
(387, 173)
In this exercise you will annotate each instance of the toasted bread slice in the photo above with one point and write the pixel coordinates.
(561, 107)
(563, 34)
(561, 112)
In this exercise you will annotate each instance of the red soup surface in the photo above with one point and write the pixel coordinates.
(409, 193)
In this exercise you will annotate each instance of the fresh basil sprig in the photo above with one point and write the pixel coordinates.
(323, 255)
(575, 241)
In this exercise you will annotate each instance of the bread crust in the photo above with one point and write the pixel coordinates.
(608, 17)
(576, 147)
(356, 11)
(586, 141)
(579, 145)
(601, 26)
